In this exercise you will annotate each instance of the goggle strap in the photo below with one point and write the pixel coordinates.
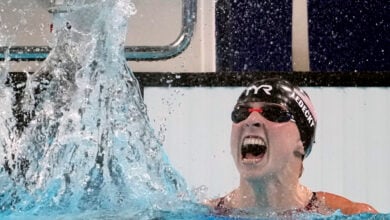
(259, 110)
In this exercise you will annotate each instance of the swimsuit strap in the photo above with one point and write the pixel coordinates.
(221, 202)
(220, 208)
(311, 203)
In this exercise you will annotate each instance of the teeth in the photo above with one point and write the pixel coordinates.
(253, 141)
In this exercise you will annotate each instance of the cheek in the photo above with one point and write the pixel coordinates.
(285, 138)
(234, 139)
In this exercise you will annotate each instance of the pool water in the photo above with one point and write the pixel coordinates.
(194, 212)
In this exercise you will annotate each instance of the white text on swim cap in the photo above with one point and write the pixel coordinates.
(266, 88)
(304, 109)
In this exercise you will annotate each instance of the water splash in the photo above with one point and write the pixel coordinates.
(88, 144)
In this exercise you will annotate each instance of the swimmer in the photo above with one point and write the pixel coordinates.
(272, 133)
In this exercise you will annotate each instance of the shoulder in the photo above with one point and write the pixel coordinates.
(346, 206)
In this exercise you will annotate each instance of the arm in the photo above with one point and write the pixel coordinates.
(345, 205)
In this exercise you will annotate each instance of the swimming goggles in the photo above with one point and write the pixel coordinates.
(272, 112)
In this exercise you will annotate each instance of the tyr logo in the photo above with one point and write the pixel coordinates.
(266, 88)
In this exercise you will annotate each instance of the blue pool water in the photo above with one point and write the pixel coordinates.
(89, 151)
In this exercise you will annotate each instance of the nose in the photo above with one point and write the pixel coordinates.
(257, 124)
(255, 119)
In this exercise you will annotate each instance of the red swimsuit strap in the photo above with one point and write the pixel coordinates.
(311, 204)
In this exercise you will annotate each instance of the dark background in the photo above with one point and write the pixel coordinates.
(344, 35)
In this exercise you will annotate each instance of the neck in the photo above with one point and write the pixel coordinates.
(271, 194)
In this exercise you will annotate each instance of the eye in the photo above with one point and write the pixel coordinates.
(276, 113)
(239, 113)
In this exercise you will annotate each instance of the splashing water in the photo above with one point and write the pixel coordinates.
(89, 144)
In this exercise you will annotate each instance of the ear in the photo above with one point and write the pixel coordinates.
(299, 151)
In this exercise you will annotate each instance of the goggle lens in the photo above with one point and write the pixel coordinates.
(274, 113)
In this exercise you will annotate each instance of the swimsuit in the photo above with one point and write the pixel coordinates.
(311, 206)
(312, 203)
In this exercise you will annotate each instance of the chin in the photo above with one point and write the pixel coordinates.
(252, 175)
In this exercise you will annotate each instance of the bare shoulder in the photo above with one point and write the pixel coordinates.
(346, 206)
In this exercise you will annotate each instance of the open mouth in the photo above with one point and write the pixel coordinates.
(253, 149)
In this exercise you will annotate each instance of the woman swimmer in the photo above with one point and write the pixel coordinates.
(273, 131)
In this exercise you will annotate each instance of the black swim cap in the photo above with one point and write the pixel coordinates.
(280, 91)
